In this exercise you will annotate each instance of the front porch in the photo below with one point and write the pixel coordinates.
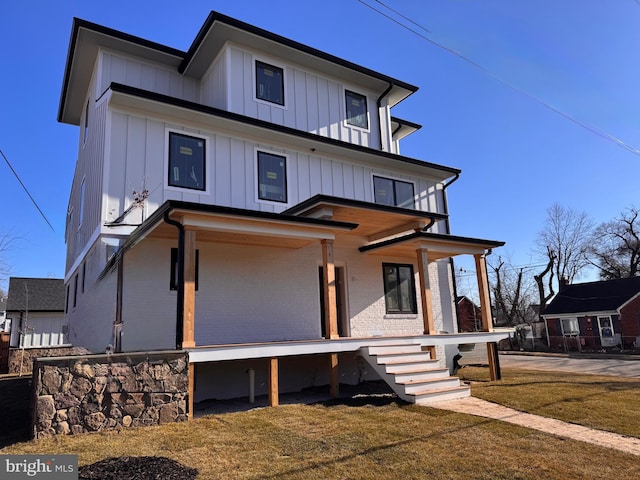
(272, 353)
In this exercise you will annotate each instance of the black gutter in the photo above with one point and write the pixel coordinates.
(219, 17)
(379, 104)
(180, 286)
(447, 225)
(235, 117)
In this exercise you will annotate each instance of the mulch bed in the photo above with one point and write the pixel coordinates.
(136, 468)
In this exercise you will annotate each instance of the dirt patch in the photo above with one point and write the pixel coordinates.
(137, 468)
(15, 396)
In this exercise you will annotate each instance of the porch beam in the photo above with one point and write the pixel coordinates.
(329, 287)
(425, 292)
(274, 397)
(188, 335)
(334, 382)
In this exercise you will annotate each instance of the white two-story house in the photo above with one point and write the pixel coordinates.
(247, 201)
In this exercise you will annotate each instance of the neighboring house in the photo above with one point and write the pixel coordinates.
(595, 315)
(35, 308)
(469, 315)
(247, 200)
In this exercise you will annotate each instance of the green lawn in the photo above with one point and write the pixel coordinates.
(385, 441)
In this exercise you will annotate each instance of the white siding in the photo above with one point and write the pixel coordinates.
(42, 329)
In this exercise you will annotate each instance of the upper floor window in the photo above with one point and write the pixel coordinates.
(186, 161)
(356, 109)
(388, 191)
(399, 288)
(269, 83)
(272, 177)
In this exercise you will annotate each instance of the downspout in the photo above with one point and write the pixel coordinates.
(180, 286)
(379, 104)
(448, 231)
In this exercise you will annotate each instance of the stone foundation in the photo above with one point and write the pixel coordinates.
(73, 395)
(17, 356)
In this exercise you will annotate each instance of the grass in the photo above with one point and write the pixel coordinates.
(602, 402)
(386, 441)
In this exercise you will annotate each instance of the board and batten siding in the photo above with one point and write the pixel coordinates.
(43, 329)
(137, 160)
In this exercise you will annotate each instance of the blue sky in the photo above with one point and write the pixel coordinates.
(517, 156)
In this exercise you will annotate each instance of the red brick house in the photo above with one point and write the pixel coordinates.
(595, 315)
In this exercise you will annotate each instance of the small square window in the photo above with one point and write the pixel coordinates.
(173, 280)
(272, 177)
(186, 162)
(356, 108)
(392, 192)
(399, 288)
(269, 83)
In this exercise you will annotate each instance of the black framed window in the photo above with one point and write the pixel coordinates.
(399, 288)
(173, 281)
(388, 191)
(356, 108)
(272, 177)
(186, 161)
(269, 83)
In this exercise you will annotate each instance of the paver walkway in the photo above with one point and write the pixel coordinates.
(483, 408)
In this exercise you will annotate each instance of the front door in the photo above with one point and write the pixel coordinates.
(607, 335)
(343, 327)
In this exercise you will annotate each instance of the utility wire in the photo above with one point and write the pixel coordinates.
(26, 190)
(601, 133)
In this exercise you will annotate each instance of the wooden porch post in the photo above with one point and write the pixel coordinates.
(334, 383)
(425, 292)
(192, 378)
(485, 310)
(188, 336)
(329, 286)
(274, 399)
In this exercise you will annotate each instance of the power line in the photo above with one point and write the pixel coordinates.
(26, 190)
(590, 128)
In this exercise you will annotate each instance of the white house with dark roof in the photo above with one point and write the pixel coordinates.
(35, 309)
(246, 200)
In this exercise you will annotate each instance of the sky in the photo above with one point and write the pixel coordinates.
(523, 96)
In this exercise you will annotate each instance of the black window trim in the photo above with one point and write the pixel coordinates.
(181, 133)
(256, 63)
(394, 181)
(413, 308)
(366, 109)
(285, 157)
(173, 275)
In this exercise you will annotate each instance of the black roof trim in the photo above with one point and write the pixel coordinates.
(219, 17)
(347, 202)
(171, 205)
(432, 236)
(177, 102)
(79, 23)
(401, 121)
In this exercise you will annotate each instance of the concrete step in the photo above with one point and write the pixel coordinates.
(417, 386)
(398, 358)
(438, 395)
(411, 367)
(422, 374)
(390, 349)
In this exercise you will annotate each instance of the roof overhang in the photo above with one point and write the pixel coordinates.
(144, 102)
(437, 245)
(218, 29)
(86, 40)
(401, 128)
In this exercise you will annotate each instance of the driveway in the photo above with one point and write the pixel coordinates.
(621, 367)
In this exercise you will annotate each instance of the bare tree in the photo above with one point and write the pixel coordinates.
(616, 248)
(6, 242)
(512, 292)
(543, 295)
(567, 233)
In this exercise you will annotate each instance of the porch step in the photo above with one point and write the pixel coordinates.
(413, 374)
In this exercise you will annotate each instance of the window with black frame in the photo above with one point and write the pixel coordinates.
(399, 288)
(356, 109)
(187, 167)
(388, 191)
(269, 83)
(272, 177)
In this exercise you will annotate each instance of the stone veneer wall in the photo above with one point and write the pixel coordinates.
(73, 395)
(25, 357)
